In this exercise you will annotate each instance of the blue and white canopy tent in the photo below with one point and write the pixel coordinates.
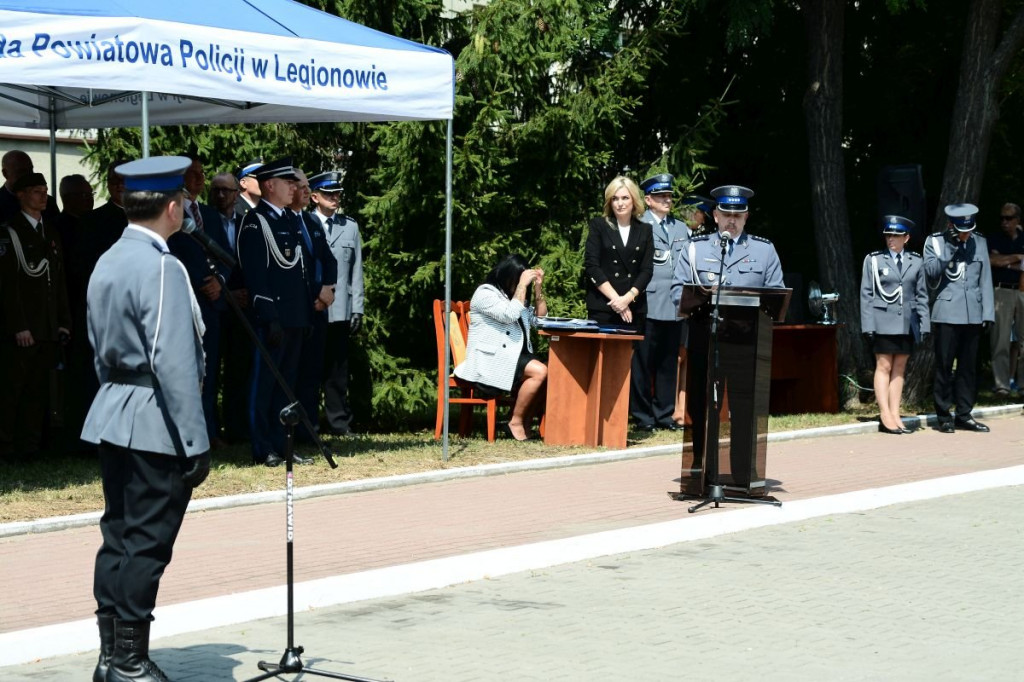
(81, 64)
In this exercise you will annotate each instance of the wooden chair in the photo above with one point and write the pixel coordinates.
(460, 393)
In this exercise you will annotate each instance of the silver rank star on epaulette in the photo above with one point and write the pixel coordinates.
(760, 239)
(701, 238)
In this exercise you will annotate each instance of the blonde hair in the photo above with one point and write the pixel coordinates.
(634, 193)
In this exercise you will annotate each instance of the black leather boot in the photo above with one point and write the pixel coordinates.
(106, 624)
(130, 662)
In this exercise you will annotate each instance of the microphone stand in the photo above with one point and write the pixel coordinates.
(714, 491)
(292, 414)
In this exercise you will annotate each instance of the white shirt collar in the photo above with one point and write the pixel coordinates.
(31, 221)
(277, 210)
(152, 235)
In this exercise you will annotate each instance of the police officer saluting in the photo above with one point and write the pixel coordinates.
(957, 265)
(893, 310)
(147, 417)
(653, 376)
(277, 269)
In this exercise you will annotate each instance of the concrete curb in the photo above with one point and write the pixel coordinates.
(55, 523)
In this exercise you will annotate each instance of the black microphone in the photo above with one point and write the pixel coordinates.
(726, 237)
(188, 226)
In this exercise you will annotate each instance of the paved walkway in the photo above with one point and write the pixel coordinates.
(802, 591)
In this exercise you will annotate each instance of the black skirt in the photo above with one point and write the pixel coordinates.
(893, 344)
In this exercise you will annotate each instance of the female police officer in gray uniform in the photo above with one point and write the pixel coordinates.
(893, 311)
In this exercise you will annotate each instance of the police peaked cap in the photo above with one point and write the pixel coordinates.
(962, 216)
(329, 181)
(155, 174)
(896, 224)
(281, 168)
(732, 198)
(657, 184)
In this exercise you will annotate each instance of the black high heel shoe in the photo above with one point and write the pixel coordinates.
(508, 432)
(882, 428)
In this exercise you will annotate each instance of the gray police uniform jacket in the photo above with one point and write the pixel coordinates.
(143, 319)
(893, 302)
(344, 240)
(668, 246)
(961, 280)
(495, 338)
(753, 263)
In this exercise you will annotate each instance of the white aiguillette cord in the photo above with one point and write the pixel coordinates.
(39, 270)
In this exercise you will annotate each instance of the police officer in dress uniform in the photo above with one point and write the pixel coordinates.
(147, 418)
(249, 186)
(957, 265)
(893, 311)
(36, 317)
(653, 376)
(275, 264)
(748, 261)
(345, 315)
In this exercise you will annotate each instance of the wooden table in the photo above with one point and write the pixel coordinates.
(588, 388)
(805, 369)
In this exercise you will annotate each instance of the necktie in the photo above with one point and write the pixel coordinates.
(899, 262)
(663, 228)
(196, 215)
(229, 230)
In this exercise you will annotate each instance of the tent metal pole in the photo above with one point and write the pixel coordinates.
(447, 279)
(53, 146)
(145, 124)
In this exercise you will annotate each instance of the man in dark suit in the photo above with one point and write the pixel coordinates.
(236, 349)
(76, 196)
(274, 260)
(36, 317)
(324, 273)
(16, 164)
(103, 226)
(204, 282)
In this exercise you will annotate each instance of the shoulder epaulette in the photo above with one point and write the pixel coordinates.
(760, 239)
(880, 252)
(937, 234)
(914, 253)
(700, 238)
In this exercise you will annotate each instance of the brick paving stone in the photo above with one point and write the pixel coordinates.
(917, 591)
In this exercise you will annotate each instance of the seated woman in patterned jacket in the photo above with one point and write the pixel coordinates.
(499, 354)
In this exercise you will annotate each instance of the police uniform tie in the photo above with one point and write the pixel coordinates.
(899, 262)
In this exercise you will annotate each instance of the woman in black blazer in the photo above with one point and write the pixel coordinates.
(618, 260)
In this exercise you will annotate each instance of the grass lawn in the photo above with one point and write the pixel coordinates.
(52, 486)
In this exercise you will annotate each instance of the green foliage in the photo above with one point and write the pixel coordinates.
(552, 101)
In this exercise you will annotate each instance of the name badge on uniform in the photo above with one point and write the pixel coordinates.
(710, 260)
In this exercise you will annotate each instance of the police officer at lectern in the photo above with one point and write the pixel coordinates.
(147, 418)
(748, 261)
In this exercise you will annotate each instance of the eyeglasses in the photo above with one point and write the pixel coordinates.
(1009, 217)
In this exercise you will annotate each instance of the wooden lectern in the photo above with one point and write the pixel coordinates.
(731, 455)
